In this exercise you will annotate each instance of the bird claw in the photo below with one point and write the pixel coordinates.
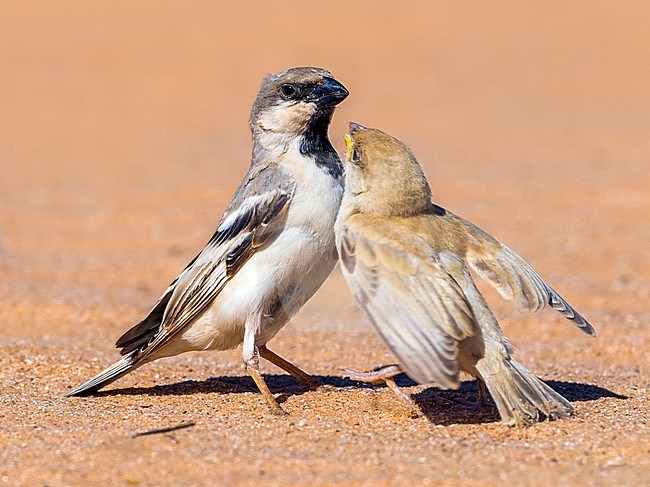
(279, 411)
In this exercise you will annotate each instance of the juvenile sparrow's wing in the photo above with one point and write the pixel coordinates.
(514, 279)
(415, 304)
(242, 230)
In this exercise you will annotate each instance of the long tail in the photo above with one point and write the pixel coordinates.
(106, 376)
(521, 397)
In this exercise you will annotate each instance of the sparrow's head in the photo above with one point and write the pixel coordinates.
(382, 174)
(289, 101)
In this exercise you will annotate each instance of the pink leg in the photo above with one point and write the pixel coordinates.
(385, 374)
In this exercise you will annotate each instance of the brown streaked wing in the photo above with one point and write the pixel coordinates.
(236, 239)
(514, 279)
(417, 307)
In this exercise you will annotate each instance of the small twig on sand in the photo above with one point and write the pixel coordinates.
(167, 429)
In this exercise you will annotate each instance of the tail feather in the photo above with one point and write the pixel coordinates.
(106, 376)
(521, 397)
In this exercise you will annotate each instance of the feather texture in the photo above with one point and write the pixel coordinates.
(235, 240)
(106, 376)
(514, 279)
(200, 283)
(406, 261)
(415, 304)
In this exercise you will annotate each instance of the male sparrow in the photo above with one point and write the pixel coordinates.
(272, 249)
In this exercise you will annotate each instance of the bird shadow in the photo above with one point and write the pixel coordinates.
(438, 406)
(445, 407)
(282, 384)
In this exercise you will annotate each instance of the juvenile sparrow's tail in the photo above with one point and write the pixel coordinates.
(520, 396)
(106, 376)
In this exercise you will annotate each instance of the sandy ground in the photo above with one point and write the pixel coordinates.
(123, 134)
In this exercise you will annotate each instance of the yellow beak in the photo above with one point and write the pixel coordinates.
(348, 146)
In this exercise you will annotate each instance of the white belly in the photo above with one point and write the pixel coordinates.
(291, 268)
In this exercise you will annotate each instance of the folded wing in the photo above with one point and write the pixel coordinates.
(239, 234)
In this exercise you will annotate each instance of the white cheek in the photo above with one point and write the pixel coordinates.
(287, 117)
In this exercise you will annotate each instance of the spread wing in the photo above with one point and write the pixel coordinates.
(416, 305)
(241, 231)
(514, 279)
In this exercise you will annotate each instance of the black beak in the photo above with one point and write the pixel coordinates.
(328, 94)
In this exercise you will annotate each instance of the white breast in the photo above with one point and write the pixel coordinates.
(293, 266)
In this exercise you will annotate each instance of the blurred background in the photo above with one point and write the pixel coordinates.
(123, 134)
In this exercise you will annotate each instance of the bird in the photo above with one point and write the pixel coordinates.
(406, 261)
(272, 249)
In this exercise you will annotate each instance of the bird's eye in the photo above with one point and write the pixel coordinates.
(289, 91)
(355, 156)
